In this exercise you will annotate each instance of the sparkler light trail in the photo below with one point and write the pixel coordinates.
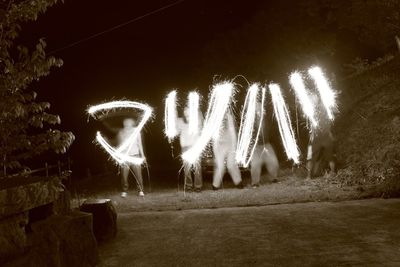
(244, 151)
(121, 153)
(284, 123)
(297, 83)
(193, 102)
(220, 99)
(328, 96)
(170, 116)
(121, 158)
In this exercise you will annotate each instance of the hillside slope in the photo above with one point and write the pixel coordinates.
(368, 128)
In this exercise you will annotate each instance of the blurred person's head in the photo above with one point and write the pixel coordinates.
(129, 123)
(314, 99)
(186, 113)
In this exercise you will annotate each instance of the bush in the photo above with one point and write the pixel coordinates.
(369, 129)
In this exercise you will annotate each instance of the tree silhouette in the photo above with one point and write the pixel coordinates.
(24, 122)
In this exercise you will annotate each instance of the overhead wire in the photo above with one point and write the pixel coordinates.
(115, 27)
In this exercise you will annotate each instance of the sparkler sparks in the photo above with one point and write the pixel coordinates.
(297, 83)
(121, 154)
(244, 151)
(218, 104)
(121, 158)
(193, 102)
(328, 96)
(170, 116)
(284, 123)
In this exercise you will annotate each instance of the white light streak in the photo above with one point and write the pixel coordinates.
(120, 154)
(328, 96)
(297, 83)
(170, 116)
(284, 123)
(121, 158)
(217, 107)
(245, 147)
(193, 104)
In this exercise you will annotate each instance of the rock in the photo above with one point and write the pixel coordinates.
(20, 198)
(62, 205)
(61, 240)
(13, 239)
(104, 218)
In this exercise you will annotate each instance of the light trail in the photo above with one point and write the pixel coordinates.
(120, 154)
(121, 158)
(297, 83)
(218, 105)
(326, 93)
(246, 144)
(284, 123)
(170, 116)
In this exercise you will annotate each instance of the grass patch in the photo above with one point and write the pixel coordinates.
(289, 188)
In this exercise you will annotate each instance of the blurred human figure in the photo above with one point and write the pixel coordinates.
(187, 140)
(224, 151)
(135, 150)
(264, 153)
(321, 147)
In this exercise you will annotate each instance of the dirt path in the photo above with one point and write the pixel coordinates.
(362, 232)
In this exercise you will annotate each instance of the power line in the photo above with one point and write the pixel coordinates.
(116, 27)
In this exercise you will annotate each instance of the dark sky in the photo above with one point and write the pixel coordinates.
(140, 61)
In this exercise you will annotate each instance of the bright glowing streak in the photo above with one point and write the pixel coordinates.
(307, 106)
(245, 147)
(121, 154)
(193, 99)
(328, 96)
(218, 105)
(118, 104)
(284, 123)
(170, 116)
(119, 157)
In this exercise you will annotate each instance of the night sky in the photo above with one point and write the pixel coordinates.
(174, 48)
(140, 61)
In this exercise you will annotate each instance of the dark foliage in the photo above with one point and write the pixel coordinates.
(23, 120)
(368, 129)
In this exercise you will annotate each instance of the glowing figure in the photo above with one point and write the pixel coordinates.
(193, 100)
(187, 140)
(121, 154)
(170, 116)
(224, 149)
(218, 105)
(328, 96)
(284, 123)
(246, 144)
(297, 83)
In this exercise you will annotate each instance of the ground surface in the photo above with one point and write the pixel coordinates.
(288, 188)
(349, 233)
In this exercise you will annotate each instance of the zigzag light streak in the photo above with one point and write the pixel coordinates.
(170, 116)
(218, 105)
(284, 123)
(245, 147)
(297, 83)
(328, 96)
(121, 153)
(119, 157)
(193, 100)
